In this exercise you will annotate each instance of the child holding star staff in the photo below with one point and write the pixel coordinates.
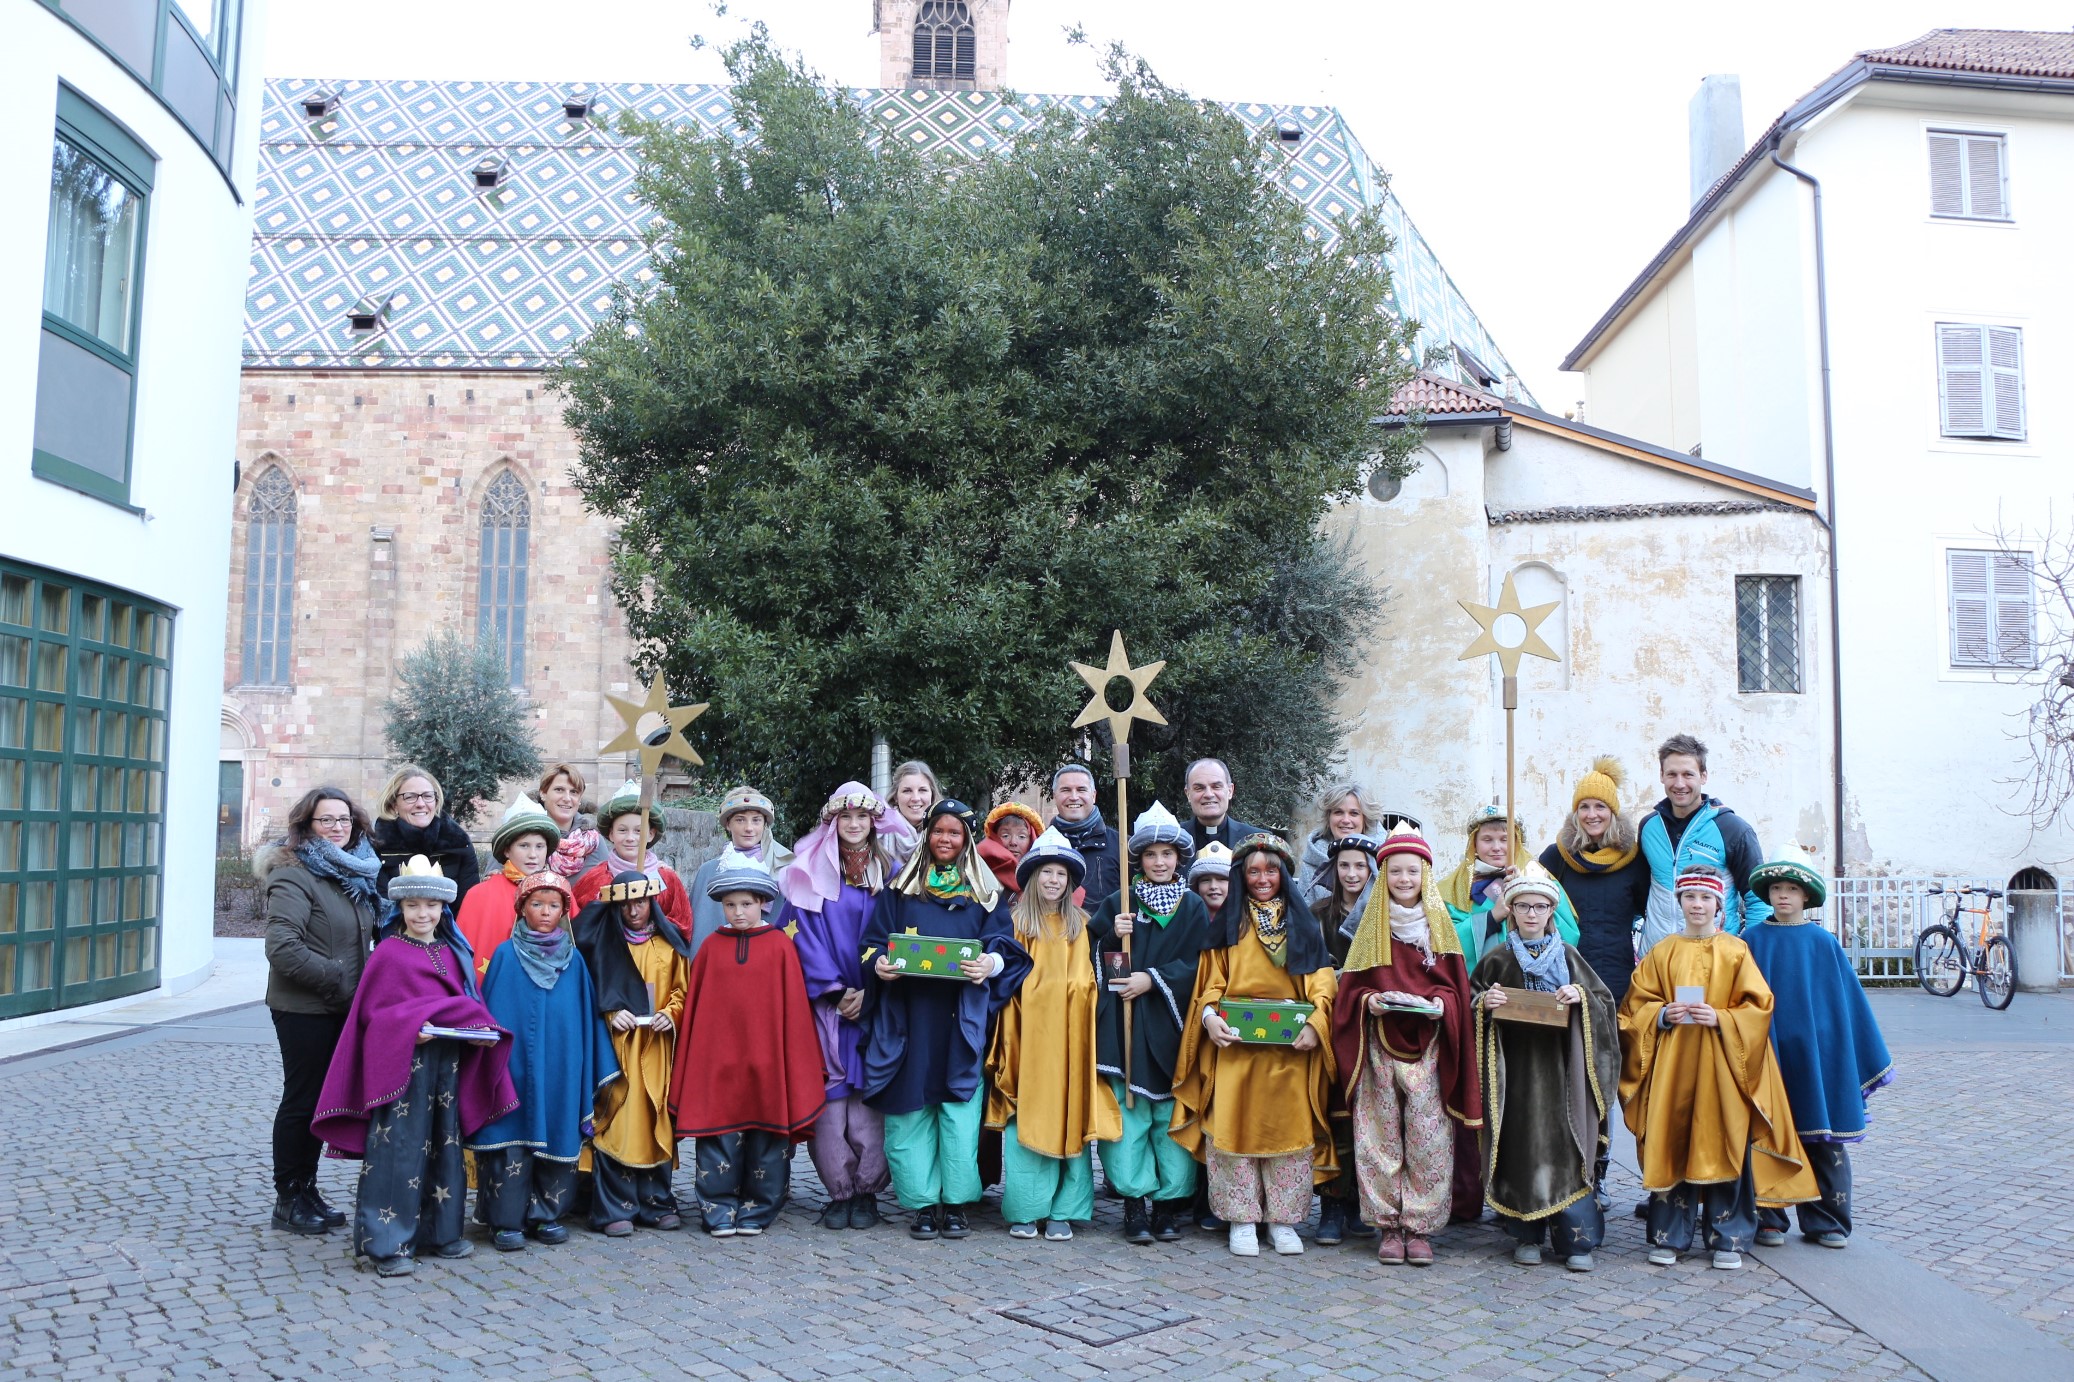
(1700, 1086)
(1168, 927)
(1830, 1050)
(1257, 1115)
(401, 1098)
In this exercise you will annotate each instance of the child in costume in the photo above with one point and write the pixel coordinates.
(638, 960)
(525, 843)
(750, 1082)
(746, 818)
(402, 1099)
(1258, 1114)
(1409, 1077)
(1044, 1095)
(1700, 1086)
(1547, 1090)
(1475, 892)
(1337, 885)
(1168, 927)
(562, 1065)
(1340, 883)
(830, 890)
(1209, 877)
(925, 1038)
(631, 839)
(1011, 829)
(1830, 1050)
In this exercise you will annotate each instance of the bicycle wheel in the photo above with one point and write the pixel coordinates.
(1997, 975)
(1940, 961)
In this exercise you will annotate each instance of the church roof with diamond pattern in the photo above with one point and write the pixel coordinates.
(378, 199)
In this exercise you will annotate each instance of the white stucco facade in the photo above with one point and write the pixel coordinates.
(1932, 751)
(168, 543)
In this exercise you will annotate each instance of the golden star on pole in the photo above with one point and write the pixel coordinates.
(1098, 679)
(1532, 644)
(654, 702)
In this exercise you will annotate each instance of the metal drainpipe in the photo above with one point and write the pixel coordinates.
(1836, 635)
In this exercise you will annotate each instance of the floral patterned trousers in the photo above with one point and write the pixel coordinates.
(1404, 1145)
(1260, 1189)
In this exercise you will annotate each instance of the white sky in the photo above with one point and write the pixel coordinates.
(1540, 147)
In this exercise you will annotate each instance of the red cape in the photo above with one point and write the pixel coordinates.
(748, 1055)
(486, 917)
(1405, 1037)
(676, 902)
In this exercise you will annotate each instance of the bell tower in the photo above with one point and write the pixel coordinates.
(944, 45)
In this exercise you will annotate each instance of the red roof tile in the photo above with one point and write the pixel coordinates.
(2014, 52)
(1430, 393)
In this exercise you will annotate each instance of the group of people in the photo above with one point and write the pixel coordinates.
(939, 1000)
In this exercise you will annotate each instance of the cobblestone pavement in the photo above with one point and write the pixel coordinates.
(133, 1242)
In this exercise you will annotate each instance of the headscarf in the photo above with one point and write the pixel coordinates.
(352, 869)
(1457, 890)
(965, 876)
(1371, 946)
(814, 878)
(1303, 940)
(605, 941)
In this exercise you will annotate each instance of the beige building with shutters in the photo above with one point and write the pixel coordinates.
(1874, 301)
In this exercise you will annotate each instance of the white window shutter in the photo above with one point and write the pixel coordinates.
(2006, 377)
(1947, 176)
(2013, 610)
(1972, 637)
(1984, 178)
(1961, 381)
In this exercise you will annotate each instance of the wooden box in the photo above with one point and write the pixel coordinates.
(1261, 1023)
(1532, 1006)
(930, 957)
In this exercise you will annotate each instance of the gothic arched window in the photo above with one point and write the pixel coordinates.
(943, 41)
(507, 518)
(269, 579)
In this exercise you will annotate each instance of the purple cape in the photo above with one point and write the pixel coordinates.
(831, 945)
(405, 986)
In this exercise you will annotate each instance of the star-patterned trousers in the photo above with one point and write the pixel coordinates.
(1831, 1164)
(516, 1190)
(1727, 1213)
(412, 1185)
(743, 1178)
(637, 1194)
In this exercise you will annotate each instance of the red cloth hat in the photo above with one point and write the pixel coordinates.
(548, 881)
(1405, 839)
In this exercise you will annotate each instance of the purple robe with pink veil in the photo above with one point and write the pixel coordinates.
(830, 944)
(405, 986)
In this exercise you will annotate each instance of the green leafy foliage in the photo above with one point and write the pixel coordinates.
(892, 439)
(456, 715)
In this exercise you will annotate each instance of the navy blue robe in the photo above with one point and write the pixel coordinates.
(561, 1058)
(925, 1040)
(1830, 1049)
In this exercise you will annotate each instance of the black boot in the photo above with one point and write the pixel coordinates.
(1332, 1222)
(294, 1213)
(1137, 1221)
(1164, 1229)
(333, 1218)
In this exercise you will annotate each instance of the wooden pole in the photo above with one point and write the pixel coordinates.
(1123, 894)
(1511, 821)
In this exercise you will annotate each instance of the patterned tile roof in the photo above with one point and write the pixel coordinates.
(2011, 52)
(1431, 394)
(379, 200)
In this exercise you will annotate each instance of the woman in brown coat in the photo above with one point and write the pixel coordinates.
(320, 913)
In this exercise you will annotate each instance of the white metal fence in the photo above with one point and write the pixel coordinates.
(1878, 919)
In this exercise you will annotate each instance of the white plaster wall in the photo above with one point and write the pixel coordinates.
(1932, 751)
(1645, 380)
(186, 418)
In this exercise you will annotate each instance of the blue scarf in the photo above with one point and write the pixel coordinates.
(354, 869)
(545, 954)
(1543, 964)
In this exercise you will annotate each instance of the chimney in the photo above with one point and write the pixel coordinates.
(1716, 114)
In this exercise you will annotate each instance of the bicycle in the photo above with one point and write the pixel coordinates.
(1944, 958)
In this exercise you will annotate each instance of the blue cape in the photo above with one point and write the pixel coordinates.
(561, 1057)
(1830, 1049)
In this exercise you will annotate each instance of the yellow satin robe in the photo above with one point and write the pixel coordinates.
(1041, 1061)
(639, 1131)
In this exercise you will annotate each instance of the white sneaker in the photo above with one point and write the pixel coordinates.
(1283, 1236)
(1728, 1261)
(1244, 1241)
(1663, 1257)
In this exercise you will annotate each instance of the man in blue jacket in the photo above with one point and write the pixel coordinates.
(1690, 828)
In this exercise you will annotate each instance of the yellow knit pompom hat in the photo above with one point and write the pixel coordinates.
(1603, 782)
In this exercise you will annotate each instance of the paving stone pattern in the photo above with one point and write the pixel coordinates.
(133, 1243)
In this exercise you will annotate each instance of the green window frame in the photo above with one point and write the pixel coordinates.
(84, 129)
(189, 64)
(85, 677)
